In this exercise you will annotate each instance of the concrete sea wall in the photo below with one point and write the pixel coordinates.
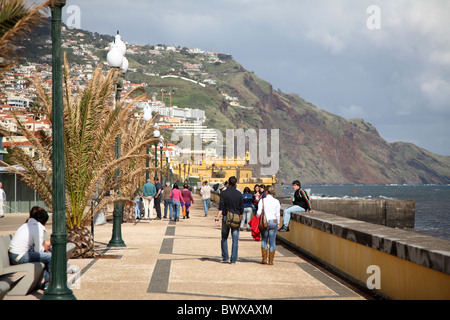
(396, 264)
(391, 213)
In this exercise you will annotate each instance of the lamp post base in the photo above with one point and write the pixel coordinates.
(116, 239)
(59, 296)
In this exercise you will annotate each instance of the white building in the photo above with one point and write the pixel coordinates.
(158, 107)
(20, 102)
(197, 129)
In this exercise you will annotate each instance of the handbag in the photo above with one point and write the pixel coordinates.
(263, 224)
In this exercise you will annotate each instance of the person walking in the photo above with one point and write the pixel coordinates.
(271, 207)
(158, 196)
(187, 198)
(177, 200)
(248, 208)
(205, 191)
(149, 191)
(137, 196)
(230, 201)
(167, 200)
(301, 203)
(2, 200)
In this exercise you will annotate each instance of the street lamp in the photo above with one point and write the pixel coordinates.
(161, 146)
(156, 135)
(116, 59)
(58, 289)
(167, 166)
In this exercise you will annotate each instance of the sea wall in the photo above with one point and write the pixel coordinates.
(396, 264)
(390, 213)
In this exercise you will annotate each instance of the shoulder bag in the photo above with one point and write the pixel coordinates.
(263, 224)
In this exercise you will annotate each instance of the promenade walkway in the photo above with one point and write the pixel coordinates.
(181, 261)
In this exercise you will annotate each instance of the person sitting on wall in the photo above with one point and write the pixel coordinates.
(301, 203)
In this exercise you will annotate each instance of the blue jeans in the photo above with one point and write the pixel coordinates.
(224, 242)
(287, 214)
(206, 204)
(176, 209)
(271, 234)
(168, 204)
(137, 208)
(246, 217)
(32, 256)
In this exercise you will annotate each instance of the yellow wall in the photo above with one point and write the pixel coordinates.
(400, 279)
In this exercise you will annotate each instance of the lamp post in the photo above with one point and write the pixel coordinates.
(58, 289)
(156, 135)
(161, 145)
(167, 166)
(116, 59)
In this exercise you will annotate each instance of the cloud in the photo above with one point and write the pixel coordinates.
(331, 43)
(437, 91)
(440, 57)
(352, 111)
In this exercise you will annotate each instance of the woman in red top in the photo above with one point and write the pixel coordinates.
(187, 198)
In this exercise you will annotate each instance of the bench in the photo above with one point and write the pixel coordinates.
(20, 279)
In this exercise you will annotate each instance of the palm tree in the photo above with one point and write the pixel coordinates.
(91, 124)
(17, 19)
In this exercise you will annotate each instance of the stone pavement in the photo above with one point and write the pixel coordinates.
(181, 261)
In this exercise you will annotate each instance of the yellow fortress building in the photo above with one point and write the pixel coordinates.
(218, 170)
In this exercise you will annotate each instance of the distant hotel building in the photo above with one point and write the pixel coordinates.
(184, 120)
(187, 114)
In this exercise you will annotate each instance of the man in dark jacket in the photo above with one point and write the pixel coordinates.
(230, 201)
(301, 203)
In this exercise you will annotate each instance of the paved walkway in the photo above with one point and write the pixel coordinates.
(181, 261)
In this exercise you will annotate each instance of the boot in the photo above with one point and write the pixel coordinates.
(271, 257)
(264, 255)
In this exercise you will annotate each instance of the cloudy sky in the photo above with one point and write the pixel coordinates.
(386, 61)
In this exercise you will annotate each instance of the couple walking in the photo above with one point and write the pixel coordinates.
(231, 200)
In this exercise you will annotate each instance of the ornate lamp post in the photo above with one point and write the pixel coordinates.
(58, 289)
(116, 59)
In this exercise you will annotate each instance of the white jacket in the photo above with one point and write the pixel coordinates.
(29, 237)
(205, 191)
(271, 208)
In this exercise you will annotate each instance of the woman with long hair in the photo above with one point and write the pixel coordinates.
(271, 208)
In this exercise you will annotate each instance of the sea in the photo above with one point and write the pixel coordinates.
(432, 214)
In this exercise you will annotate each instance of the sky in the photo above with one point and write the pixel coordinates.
(386, 61)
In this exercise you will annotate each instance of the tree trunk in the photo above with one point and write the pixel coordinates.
(82, 238)
(128, 211)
